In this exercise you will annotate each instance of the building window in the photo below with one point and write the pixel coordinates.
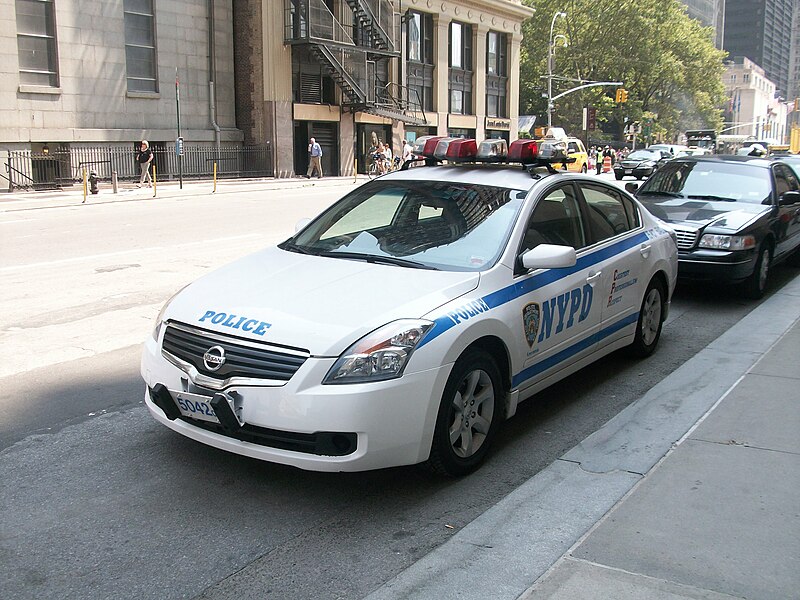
(419, 35)
(140, 45)
(460, 76)
(36, 43)
(496, 74)
(746, 77)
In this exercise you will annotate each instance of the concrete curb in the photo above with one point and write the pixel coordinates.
(510, 546)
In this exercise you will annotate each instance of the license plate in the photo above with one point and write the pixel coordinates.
(195, 406)
(628, 172)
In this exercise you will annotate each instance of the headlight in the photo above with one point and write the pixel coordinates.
(379, 355)
(727, 242)
(160, 317)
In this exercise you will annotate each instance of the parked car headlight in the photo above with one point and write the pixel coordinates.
(160, 317)
(379, 355)
(727, 242)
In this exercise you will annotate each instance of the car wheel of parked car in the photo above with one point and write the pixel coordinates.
(756, 284)
(651, 318)
(619, 177)
(469, 415)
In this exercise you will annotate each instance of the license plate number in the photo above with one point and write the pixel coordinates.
(195, 406)
(628, 172)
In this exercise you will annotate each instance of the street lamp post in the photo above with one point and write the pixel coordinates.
(550, 55)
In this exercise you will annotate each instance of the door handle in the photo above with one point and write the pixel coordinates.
(593, 277)
(645, 250)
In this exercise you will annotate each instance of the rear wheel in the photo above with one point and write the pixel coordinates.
(651, 319)
(469, 415)
(618, 176)
(756, 284)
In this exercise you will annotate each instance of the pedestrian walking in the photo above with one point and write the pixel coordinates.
(408, 151)
(144, 157)
(314, 159)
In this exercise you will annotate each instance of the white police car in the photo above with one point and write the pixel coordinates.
(406, 322)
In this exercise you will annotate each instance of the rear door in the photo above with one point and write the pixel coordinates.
(621, 251)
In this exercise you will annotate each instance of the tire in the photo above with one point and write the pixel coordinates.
(756, 284)
(618, 177)
(651, 320)
(372, 170)
(461, 438)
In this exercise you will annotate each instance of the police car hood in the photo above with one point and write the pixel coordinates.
(315, 303)
(696, 214)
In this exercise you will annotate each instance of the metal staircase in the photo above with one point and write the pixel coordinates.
(353, 67)
(377, 18)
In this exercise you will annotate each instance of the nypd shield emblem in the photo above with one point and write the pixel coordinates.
(530, 320)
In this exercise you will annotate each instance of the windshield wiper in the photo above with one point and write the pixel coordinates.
(661, 193)
(378, 259)
(292, 247)
(709, 197)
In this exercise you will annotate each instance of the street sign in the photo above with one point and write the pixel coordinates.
(179, 146)
(591, 118)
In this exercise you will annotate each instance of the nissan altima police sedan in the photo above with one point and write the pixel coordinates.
(404, 323)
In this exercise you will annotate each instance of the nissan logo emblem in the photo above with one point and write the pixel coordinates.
(214, 358)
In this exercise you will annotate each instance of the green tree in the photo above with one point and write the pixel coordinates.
(666, 60)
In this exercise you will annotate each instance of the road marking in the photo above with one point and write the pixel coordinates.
(138, 251)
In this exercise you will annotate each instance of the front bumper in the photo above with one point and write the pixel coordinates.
(302, 423)
(716, 265)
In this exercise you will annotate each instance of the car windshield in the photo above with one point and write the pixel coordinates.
(733, 182)
(436, 225)
(643, 155)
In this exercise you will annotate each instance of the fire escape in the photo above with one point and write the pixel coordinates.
(350, 53)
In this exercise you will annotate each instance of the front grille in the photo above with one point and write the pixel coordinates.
(687, 238)
(243, 358)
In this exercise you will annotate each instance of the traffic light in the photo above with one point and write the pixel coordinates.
(623, 95)
(618, 96)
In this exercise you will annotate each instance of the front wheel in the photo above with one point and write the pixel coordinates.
(469, 415)
(756, 284)
(648, 327)
(372, 171)
(618, 176)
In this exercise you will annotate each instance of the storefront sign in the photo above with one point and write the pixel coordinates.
(495, 123)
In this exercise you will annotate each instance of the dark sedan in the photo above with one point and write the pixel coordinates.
(734, 216)
(640, 163)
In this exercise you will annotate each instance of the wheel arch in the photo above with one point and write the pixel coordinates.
(497, 349)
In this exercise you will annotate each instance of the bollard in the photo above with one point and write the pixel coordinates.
(93, 181)
(114, 181)
(154, 181)
(84, 186)
(215, 177)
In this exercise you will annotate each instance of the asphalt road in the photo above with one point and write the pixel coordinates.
(100, 501)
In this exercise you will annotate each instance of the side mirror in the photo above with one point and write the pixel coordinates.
(789, 198)
(631, 187)
(549, 256)
(301, 224)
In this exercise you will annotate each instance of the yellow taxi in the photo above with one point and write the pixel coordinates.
(575, 150)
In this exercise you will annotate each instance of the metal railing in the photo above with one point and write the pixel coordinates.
(64, 167)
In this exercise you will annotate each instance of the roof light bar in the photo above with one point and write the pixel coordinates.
(461, 150)
(426, 145)
(523, 151)
(493, 150)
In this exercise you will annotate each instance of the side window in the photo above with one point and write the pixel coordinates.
(607, 214)
(572, 147)
(785, 180)
(556, 220)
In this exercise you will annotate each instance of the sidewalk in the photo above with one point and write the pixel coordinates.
(128, 192)
(690, 492)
